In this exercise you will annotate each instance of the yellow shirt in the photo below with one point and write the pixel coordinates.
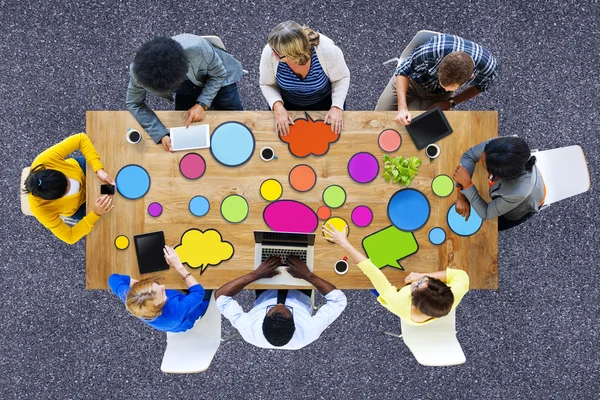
(48, 212)
(400, 301)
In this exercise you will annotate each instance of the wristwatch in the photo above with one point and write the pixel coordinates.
(452, 102)
(203, 106)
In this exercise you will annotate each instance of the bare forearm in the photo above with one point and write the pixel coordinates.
(232, 288)
(466, 94)
(354, 254)
(401, 89)
(186, 275)
(322, 285)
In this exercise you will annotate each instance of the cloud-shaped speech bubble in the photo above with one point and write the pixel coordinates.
(201, 249)
(389, 245)
(308, 136)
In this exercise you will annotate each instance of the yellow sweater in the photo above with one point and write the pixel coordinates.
(400, 301)
(48, 212)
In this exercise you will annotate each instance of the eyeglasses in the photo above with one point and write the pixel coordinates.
(419, 282)
(275, 305)
(280, 57)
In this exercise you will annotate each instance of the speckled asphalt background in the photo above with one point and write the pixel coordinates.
(534, 338)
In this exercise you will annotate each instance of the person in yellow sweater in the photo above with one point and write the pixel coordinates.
(425, 296)
(56, 187)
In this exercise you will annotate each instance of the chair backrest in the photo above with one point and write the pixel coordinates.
(25, 209)
(565, 172)
(420, 38)
(193, 350)
(215, 41)
(435, 343)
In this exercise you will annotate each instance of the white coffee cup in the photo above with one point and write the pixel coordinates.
(341, 266)
(132, 134)
(270, 154)
(431, 148)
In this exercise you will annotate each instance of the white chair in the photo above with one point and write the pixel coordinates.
(420, 38)
(25, 209)
(565, 172)
(193, 350)
(435, 343)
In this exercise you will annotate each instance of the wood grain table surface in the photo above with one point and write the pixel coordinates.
(476, 254)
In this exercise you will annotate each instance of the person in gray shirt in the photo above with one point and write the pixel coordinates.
(201, 75)
(516, 187)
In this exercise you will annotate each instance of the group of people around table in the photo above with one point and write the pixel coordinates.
(300, 69)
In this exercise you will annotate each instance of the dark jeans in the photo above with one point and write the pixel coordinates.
(504, 224)
(80, 213)
(258, 292)
(323, 105)
(227, 98)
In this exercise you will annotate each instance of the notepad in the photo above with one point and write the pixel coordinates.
(194, 137)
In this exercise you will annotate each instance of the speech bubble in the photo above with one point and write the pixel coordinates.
(308, 136)
(388, 246)
(200, 249)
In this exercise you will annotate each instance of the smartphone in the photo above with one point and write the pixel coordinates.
(107, 189)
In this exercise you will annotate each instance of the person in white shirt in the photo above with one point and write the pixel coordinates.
(281, 319)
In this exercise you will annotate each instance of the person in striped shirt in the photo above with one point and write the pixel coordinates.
(301, 69)
(433, 72)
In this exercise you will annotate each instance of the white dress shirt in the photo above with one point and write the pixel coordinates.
(308, 327)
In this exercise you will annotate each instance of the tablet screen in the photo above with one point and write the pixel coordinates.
(429, 127)
(149, 249)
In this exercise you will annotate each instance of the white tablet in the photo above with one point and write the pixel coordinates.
(194, 137)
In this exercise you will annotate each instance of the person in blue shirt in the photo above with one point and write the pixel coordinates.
(165, 310)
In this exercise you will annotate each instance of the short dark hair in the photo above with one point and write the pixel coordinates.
(49, 184)
(435, 300)
(278, 330)
(456, 68)
(160, 64)
(508, 157)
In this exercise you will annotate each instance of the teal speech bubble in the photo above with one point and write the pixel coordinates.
(388, 246)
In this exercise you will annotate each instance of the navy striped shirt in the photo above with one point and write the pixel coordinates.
(423, 63)
(314, 88)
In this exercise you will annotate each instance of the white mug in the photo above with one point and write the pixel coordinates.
(434, 146)
(342, 265)
(267, 148)
(133, 132)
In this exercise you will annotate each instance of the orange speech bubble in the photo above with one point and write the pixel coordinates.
(308, 136)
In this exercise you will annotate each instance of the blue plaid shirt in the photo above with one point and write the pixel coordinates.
(423, 63)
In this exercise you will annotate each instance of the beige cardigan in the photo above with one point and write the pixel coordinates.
(331, 59)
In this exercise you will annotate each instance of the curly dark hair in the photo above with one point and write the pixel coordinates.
(278, 330)
(160, 64)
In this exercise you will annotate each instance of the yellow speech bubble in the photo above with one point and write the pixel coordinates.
(200, 249)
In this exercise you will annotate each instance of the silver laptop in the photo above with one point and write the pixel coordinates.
(283, 244)
(194, 137)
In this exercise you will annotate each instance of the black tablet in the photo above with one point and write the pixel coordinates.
(429, 127)
(149, 249)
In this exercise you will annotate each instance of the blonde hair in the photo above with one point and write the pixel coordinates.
(140, 300)
(293, 41)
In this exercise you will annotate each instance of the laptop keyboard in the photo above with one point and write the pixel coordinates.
(283, 253)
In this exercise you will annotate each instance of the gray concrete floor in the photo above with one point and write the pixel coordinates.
(534, 338)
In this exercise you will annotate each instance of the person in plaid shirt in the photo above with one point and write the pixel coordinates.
(433, 72)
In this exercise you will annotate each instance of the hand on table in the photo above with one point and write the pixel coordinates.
(413, 277)
(283, 120)
(102, 205)
(462, 176)
(194, 114)
(172, 258)
(335, 236)
(166, 143)
(403, 117)
(105, 177)
(297, 268)
(445, 105)
(335, 116)
(462, 206)
(267, 269)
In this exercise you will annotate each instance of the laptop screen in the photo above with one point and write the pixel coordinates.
(149, 250)
(285, 238)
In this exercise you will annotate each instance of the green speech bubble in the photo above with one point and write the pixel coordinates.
(388, 246)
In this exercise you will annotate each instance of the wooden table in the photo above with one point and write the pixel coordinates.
(477, 254)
